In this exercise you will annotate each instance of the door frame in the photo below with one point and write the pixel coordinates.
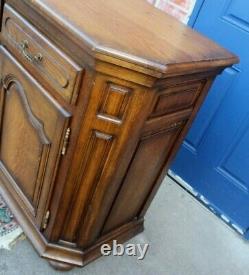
(197, 8)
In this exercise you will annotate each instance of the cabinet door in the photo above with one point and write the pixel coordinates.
(33, 126)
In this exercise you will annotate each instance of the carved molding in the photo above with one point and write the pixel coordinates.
(9, 81)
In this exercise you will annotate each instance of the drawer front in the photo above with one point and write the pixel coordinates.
(33, 126)
(177, 98)
(168, 121)
(42, 58)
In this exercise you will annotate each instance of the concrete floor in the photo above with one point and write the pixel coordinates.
(184, 237)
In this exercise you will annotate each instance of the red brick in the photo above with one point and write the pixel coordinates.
(185, 4)
(172, 10)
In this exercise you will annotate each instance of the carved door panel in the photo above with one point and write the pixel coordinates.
(32, 131)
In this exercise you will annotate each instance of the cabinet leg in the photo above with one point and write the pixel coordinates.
(60, 266)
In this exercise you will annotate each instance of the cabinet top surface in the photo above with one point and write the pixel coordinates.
(135, 32)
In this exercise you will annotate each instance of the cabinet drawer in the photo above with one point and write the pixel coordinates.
(43, 59)
(177, 98)
(166, 122)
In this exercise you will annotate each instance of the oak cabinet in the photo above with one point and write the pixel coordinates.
(92, 114)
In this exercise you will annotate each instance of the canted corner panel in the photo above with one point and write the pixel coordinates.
(24, 145)
(96, 157)
(114, 103)
(176, 98)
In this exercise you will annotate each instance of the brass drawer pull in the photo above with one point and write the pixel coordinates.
(24, 46)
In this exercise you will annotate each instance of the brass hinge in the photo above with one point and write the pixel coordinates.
(66, 142)
(46, 220)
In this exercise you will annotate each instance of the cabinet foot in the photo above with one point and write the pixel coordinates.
(61, 266)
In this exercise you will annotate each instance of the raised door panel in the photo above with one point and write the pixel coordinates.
(32, 131)
(153, 151)
(24, 145)
(177, 97)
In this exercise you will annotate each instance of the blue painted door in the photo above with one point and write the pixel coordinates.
(214, 159)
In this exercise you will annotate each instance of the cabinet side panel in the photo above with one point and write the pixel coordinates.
(164, 134)
(151, 152)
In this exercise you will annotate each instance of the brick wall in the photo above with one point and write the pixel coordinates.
(181, 9)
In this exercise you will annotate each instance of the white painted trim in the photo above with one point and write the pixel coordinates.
(223, 217)
(157, 2)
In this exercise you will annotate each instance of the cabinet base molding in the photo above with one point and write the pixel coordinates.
(61, 257)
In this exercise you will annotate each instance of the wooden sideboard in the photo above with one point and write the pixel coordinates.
(96, 98)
